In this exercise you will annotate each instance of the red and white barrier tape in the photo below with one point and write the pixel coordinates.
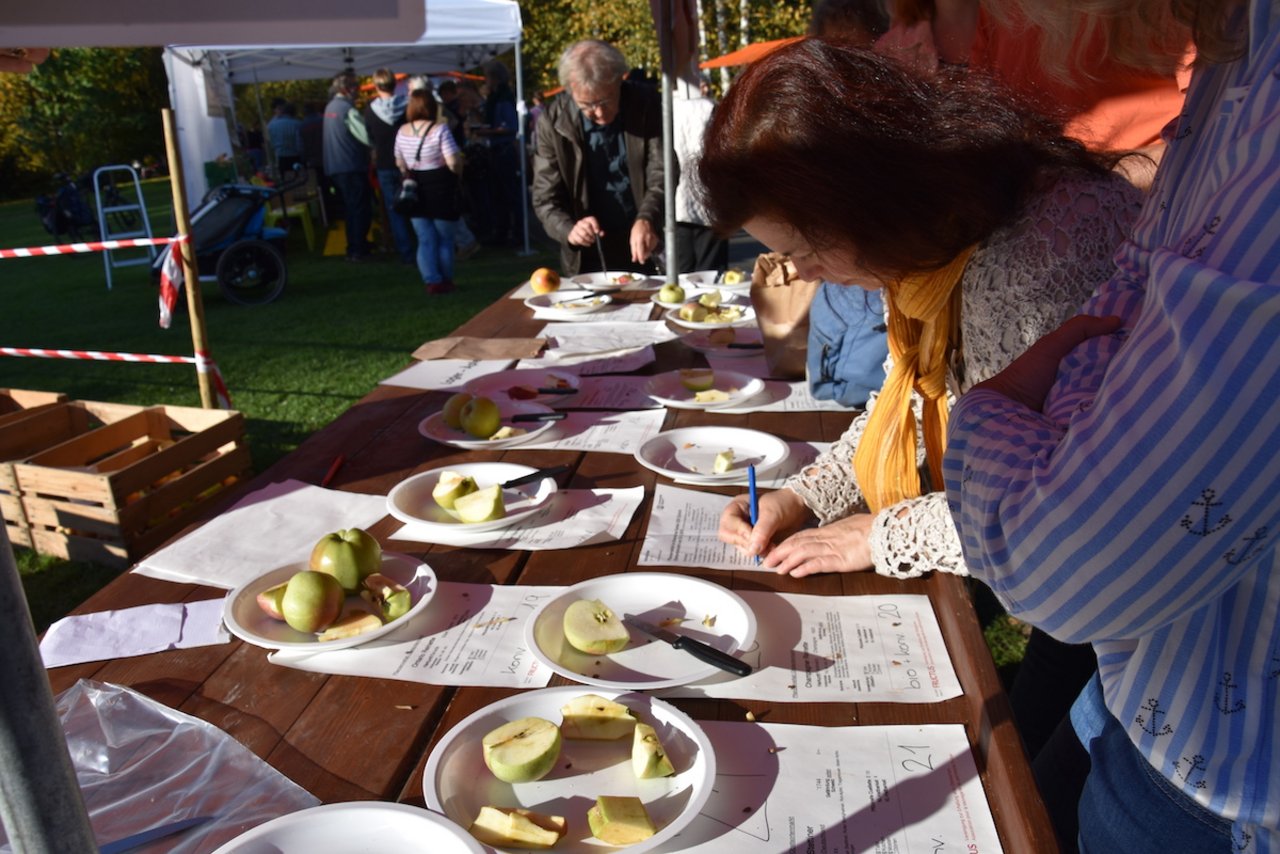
(98, 246)
(96, 355)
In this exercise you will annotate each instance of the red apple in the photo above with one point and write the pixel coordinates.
(544, 280)
(350, 556)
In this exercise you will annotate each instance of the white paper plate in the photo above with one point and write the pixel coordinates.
(714, 278)
(694, 293)
(410, 500)
(747, 318)
(614, 280)
(457, 783)
(247, 621)
(568, 305)
(702, 341)
(361, 826)
(434, 428)
(688, 453)
(668, 390)
(646, 663)
(523, 382)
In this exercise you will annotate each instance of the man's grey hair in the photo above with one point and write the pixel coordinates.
(592, 64)
(344, 82)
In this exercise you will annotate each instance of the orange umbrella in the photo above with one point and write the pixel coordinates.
(748, 54)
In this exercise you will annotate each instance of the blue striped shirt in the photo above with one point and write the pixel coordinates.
(1140, 510)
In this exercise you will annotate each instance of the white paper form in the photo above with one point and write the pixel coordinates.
(445, 374)
(682, 532)
(472, 634)
(610, 432)
(612, 392)
(839, 649)
(133, 631)
(573, 517)
(614, 312)
(600, 338)
(880, 789)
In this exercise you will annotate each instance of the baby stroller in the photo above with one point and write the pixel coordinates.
(67, 212)
(235, 247)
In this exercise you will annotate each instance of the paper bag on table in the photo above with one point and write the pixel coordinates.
(781, 302)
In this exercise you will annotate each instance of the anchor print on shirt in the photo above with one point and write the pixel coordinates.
(1155, 727)
(1195, 765)
(1223, 700)
(1251, 545)
(1204, 526)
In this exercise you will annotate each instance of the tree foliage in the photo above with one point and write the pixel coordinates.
(80, 109)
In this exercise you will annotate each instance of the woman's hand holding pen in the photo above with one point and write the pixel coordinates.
(782, 513)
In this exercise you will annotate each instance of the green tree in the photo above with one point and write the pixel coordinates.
(80, 109)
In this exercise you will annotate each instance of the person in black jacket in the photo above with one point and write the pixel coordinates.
(383, 117)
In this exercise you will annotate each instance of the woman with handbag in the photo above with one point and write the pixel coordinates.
(430, 162)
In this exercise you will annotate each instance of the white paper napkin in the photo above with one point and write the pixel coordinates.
(445, 374)
(275, 526)
(133, 631)
(573, 517)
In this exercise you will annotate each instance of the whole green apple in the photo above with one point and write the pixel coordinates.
(481, 417)
(312, 601)
(350, 555)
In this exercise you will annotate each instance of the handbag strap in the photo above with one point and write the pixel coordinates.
(422, 140)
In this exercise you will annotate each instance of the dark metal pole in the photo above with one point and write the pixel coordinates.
(40, 802)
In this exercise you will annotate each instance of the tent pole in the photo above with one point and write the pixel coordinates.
(191, 276)
(40, 801)
(262, 121)
(522, 112)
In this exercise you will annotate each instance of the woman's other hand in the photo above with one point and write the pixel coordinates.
(841, 546)
(782, 512)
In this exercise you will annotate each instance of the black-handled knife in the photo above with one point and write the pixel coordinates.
(538, 416)
(557, 390)
(696, 648)
(534, 477)
(745, 345)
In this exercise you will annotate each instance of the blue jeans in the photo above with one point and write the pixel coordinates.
(1129, 806)
(354, 189)
(435, 248)
(389, 183)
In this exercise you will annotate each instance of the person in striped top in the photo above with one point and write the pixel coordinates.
(427, 153)
(1120, 483)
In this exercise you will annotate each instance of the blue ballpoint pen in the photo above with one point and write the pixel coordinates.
(754, 498)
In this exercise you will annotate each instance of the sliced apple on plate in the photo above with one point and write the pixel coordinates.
(620, 820)
(592, 627)
(514, 827)
(591, 716)
(648, 757)
(522, 750)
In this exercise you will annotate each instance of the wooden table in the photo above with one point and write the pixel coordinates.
(321, 731)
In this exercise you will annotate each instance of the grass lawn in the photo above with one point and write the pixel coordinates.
(291, 366)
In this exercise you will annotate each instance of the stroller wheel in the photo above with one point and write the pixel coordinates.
(251, 272)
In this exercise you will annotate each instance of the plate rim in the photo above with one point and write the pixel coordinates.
(263, 642)
(698, 800)
(748, 318)
(643, 280)
(255, 833)
(471, 385)
(566, 311)
(463, 527)
(709, 479)
(531, 642)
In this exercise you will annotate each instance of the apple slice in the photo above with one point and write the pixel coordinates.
(619, 820)
(451, 486)
(648, 756)
(590, 626)
(392, 598)
(351, 624)
(697, 379)
(483, 505)
(523, 750)
(271, 601)
(514, 827)
(723, 461)
(591, 716)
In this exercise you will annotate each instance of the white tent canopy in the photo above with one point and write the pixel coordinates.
(459, 35)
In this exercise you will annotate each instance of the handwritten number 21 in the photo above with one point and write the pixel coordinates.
(925, 764)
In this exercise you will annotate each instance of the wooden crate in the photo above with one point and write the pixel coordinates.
(42, 425)
(16, 403)
(117, 492)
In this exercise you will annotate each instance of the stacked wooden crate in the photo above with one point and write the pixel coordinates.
(108, 482)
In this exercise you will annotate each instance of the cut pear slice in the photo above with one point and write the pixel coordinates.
(522, 750)
(513, 827)
(591, 716)
(620, 820)
(648, 756)
(483, 505)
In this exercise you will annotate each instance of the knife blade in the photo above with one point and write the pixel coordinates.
(696, 648)
(539, 416)
(137, 840)
(534, 477)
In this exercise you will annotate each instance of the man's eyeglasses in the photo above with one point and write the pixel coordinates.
(592, 106)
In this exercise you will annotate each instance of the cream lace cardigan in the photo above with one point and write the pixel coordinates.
(1021, 283)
